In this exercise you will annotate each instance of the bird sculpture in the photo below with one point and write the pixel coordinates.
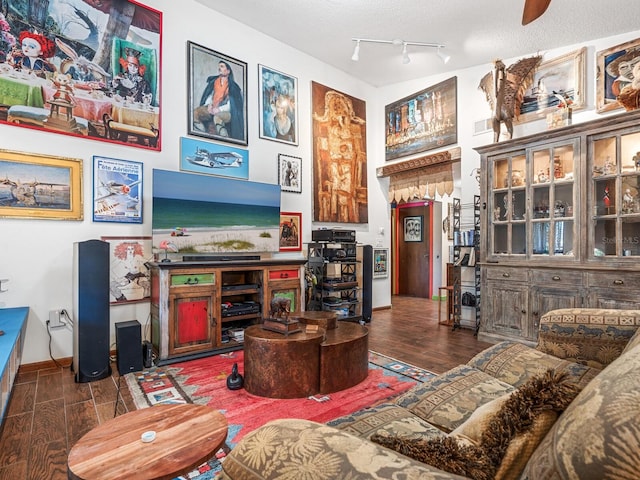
(504, 89)
(168, 247)
(235, 380)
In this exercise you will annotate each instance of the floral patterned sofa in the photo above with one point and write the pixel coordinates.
(596, 437)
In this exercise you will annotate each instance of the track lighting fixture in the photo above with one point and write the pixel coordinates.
(405, 54)
(356, 52)
(443, 56)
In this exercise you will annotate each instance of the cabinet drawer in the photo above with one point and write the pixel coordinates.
(550, 278)
(507, 273)
(284, 274)
(191, 279)
(620, 280)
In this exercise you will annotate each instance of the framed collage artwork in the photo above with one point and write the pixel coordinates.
(78, 87)
(278, 106)
(208, 116)
(380, 262)
(40, 186)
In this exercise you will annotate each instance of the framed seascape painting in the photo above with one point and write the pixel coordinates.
(217, 100)
(423, 121)
(83, 68)
(129, 277)
(380, 262)
(562, 77)
(413, 229)
(289, 173)
(40, 186)
(117, 190)
(278, 106)
(618, 76)
(198, 156)
(290, 231)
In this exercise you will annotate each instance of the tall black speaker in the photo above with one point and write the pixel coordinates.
(91, 310)
(129, 347)
(367, 282)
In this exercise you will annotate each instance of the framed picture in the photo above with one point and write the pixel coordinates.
(413, 228)
(212, 113)
(198, 156)
(615, 71)
(129, 278)
(40, 186)
(117, 190)
(80, 83)
(380, 262)
(565, 76)
(423, 121)
(289, 173)
(340, 190)
(278, 106)
(290, 231)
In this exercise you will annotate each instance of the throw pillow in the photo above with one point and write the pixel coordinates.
(521, 422)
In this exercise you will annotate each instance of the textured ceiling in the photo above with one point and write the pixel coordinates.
(475, 32)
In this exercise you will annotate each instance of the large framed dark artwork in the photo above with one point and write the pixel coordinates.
(74, 68)
(340, 192)
(217, 107)
(423, 121)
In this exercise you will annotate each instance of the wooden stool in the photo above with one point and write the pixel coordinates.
(449, 290)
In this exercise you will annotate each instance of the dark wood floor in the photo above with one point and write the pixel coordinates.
(48, 412)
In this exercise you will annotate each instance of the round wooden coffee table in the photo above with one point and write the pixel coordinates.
(187, 435)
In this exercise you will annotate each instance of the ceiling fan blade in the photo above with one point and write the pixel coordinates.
(533, 9)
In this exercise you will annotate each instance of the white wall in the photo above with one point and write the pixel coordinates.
(37, 255)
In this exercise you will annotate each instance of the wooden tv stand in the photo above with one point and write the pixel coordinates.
(200, 308)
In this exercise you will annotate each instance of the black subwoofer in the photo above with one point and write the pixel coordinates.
(129, 347)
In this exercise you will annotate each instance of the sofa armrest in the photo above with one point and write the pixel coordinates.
(291, 448)
(591, 336)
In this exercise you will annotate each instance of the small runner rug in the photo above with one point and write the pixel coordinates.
(203, 381)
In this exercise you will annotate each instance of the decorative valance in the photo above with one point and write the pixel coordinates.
(415, 178)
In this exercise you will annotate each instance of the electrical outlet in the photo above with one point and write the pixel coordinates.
(55, 319)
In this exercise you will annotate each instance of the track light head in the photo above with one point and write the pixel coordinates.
(356, 52)
(405, 55)
(443, 56)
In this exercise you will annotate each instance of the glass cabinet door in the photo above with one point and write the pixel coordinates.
(614, 193)
(552, 200)
(508, 235)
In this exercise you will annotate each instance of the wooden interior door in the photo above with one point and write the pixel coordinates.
(413, 242)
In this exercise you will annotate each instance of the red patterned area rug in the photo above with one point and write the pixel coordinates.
(203, 381)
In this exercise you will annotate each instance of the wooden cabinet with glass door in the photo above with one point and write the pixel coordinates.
(562, 206)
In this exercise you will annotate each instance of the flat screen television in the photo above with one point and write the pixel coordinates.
(207, 215)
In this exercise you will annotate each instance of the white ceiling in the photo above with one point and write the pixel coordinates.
(475, 32)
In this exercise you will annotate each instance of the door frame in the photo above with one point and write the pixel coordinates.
(397, 230)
